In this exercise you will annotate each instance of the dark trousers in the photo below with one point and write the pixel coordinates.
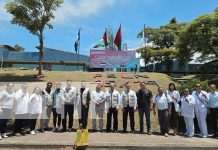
(68, 110)
(4, 116)
(174, 118)
(84, 116)
(144, 111)
(55, 117)
(19, 121)
(33, 119)
(3, 125)
(128, 111)
(163, 117)
(214, 118)
(114, 112)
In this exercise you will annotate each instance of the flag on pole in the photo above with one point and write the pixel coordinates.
(144, 42)
(118, 39)
(77, 42)
(102, 42)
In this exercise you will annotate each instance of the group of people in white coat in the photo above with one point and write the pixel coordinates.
(196, 104)
(20, 106)
(62, 102)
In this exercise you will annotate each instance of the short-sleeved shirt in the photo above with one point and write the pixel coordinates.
(143, 98)
(98, 96)
(162, 101)
(213, 100)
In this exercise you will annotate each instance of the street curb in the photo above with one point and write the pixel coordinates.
(103, 146)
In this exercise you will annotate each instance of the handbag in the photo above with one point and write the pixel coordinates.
(81, 138)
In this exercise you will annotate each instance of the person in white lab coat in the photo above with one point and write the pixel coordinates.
(83, 101)
(7, 98)
(21, 109)
(113, 104)
(201, 98)
(47, 96)
(35, 108)
(175, 96)
(58, 110)
(187, 111)
(129, 106)
(69, 101)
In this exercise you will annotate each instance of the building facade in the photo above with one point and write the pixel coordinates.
(55, 60)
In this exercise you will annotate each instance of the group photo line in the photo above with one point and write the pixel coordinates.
(77, 103)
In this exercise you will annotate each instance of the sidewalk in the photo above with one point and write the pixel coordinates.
(50, 140)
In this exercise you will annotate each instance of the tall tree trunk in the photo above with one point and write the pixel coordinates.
(41, 51)
(168, 65)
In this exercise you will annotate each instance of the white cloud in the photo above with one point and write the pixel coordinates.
(80, 9)
(4, 16)
(70, 10)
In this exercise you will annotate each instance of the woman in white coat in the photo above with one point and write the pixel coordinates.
(175, 96)
(7, 98)
(21, 106)
(187, 111)
(35, 108)
(201, 98)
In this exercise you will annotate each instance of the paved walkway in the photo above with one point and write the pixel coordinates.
(50, 140)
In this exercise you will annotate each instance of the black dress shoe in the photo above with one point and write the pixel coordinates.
(133, 131)
(94, 130)
(63, 130)
(149, 133)
(141, 132)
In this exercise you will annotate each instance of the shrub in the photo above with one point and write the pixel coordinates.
(191, 85)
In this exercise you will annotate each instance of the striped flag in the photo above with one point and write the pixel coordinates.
(77, 42)
(144, 42)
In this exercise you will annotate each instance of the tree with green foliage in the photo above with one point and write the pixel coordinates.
(163, 40)
(200, 37)
(35, 16)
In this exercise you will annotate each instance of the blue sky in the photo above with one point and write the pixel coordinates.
(93, 16)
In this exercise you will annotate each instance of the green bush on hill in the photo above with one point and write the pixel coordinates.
(191, 85)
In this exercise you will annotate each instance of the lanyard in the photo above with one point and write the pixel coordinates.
(200, 99)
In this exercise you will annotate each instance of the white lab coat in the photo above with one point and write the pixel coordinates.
(201, 101)
(70, 96)
(201, 111)
(113, 101)
(177, 96)
(188, 108)
(84, 96)
(7, 99)
(58, 99)
(35, 104)
(128, 98)
(21, 102)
